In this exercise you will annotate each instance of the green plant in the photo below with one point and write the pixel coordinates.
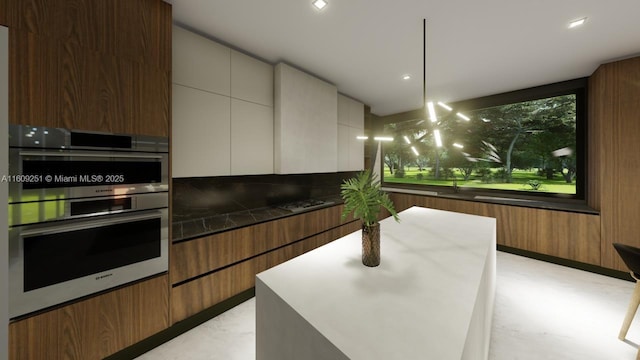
(363, 197)
(535, 184)
(399, 173)
(485, 175)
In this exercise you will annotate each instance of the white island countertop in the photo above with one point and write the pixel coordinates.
(430, 298)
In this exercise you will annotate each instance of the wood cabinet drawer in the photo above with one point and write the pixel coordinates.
(194, 296)
(199, 256)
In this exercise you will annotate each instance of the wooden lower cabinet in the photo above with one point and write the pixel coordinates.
(189, 298)
(198, 256)
(96, 327)
(562, 234)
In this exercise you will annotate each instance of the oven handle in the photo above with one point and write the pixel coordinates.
(87, 224)
(110, 155)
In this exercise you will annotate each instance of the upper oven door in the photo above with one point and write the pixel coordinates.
(47, 174)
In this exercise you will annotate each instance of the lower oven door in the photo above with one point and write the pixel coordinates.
(60, 261)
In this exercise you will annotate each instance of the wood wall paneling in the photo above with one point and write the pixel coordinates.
(31, 15)
(144, 33)
(86, 24)
(136, 30)
(3, 13)
(97, 90)
(621, 202)
(134, 22)
(96, 327)
(595, 135)
(614, 125)
(152, 101)
(160, 52)
(34, 98)
(91, 65)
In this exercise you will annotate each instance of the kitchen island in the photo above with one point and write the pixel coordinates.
(430, 298)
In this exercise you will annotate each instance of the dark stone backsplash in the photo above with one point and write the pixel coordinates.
(195, 198)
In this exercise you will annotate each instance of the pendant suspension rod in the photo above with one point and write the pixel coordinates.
(424, 63)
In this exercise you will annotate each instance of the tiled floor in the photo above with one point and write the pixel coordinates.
(542, 311)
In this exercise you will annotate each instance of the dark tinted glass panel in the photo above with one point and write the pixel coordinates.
(90, 173)
(54, 258)
(520, 144)
(94, 206)
(101, 140)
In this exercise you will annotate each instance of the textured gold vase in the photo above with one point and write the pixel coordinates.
(371, 245)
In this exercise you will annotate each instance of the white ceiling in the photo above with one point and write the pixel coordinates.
(474, 47)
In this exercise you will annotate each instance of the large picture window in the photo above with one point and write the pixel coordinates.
(519, 144)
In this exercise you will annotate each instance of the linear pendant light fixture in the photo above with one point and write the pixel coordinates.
(428, 106)
(424, 65)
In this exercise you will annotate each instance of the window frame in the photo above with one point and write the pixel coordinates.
(579, 87)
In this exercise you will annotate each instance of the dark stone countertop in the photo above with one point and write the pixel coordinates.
(186, 229)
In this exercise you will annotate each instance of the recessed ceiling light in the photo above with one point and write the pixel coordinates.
(459, 146)
(413, 148)
(406, 77)
(319, 4)
(577, 22)
(362, 137)
(382, 138)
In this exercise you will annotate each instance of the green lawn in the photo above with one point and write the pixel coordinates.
(520, 179)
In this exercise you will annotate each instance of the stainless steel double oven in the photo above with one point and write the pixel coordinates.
(87, 212)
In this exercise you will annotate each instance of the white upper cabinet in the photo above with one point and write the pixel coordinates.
(343, 147)
(356, 150)
(305, 123)
(350, 112)
(350, 126)
(251, 79)
(222, 110)
(251, 138)
(200, 63)
(343, 109)
(201, 142)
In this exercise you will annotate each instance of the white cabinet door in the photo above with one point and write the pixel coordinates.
(201, 144)
(350, 126)
(200, 63)
(356, 114)
(251, 79)
(251, 138)
(343, 148)
(356, 150)
(305, 123)
(343, 109)
(350, 112)
(350, 149)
